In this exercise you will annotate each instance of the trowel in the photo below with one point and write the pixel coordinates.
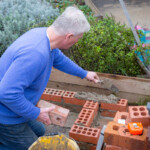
(106, 83)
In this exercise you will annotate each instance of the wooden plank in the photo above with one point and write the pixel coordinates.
(93, 7)
(124, 84)
(133, 98)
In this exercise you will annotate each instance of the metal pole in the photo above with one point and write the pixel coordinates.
(136, 37)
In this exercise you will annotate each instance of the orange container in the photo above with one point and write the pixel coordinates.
(135, 128)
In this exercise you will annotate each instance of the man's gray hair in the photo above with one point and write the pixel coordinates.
(72, 20)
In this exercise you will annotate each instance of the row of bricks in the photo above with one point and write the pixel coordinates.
(81, 130)
(69, 97)
(135, 114)
(119, 135)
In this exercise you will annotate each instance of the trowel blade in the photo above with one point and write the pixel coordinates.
(106, 83)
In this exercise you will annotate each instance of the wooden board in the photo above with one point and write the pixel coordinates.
(132, 88)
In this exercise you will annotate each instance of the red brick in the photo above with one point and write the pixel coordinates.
(69, 98)
(58, 116)
(84, 134)
(122, 115)
(121, 105)
(93, 147)
(139, 114)
(85, 117)
(108, 113)
(52, 94)
(118, 135)
(92, 105)
(112, 147)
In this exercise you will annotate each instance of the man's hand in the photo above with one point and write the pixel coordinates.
(44, 115)
(92, 76)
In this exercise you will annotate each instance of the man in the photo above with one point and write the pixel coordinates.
(25, 68)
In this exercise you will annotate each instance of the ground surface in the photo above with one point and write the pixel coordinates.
(139, 10)
(99, 121)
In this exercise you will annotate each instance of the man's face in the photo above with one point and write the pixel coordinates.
(70, 40)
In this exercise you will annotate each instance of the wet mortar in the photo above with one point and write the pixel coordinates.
(97, 97)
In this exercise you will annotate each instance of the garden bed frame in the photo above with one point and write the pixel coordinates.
(132, 88)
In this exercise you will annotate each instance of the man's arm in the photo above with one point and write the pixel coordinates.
(63, 63)
(25, 67)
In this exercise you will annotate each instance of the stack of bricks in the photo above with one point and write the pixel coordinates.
(110, 110)
(82, 130)
(118, 136)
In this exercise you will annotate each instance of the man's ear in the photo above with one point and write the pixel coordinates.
(69, 35)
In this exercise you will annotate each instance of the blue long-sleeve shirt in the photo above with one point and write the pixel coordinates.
(25, 68)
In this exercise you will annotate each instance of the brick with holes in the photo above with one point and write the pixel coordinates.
(119, 135)
(84, 134)
(121, 105)
(58, 116)
(52, 94)
(122, 117)
(69, 97)
(92, 105)
(85, 117)
(139, 114)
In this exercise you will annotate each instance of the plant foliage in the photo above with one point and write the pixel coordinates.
(18, 16)
(62, 4)
(106, 48)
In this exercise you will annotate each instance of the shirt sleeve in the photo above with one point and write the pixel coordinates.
(63, 63)
(24, 69)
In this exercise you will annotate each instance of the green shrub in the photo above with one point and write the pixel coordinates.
(62, 4)
(106, 48)
(18, 16)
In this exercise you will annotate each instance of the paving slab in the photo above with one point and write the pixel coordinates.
(139, 10)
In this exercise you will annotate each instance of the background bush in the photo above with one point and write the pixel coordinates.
(18, 16)
(62, 4)
(105, 48)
